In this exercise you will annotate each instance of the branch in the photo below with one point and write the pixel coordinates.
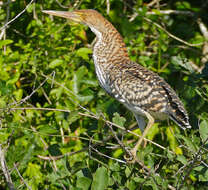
(22, 177)
(108, 6)
(121, 143)
(153, 2)
(3, 32)
(167, 32)
(171, 35)
(18, 15)
(29, 96)
(168, 12)
(204, 32)
(5, 169)
(106, 156)
(91, 116)
(62, 6)
(68, 90)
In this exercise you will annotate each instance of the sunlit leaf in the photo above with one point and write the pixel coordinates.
(5, 42)
(172, 140)
(100, 179)
(13, 79)
(84, 53)
(182, 159)
(117, 119)
(46, 129)
(203, 130)
(55, 63)
(83, 182)
(73, 116)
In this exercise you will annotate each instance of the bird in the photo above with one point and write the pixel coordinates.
(140, 90)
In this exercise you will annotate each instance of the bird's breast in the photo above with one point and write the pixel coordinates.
(101, 73)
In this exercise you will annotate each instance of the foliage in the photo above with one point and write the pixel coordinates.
(56, 121)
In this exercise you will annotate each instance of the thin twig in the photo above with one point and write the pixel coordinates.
(108, 6)
(204, 32)
(22, 177)
(29, 96)
(91, 116)
(46, 96)
(167, 32)
(77, 4)
(46, 147)
(49, 158)
(149, 171)
(71, 93)
(153, 2)
(196, 158)
(171, 35)
(18, 15)
(75, 152)
(167, 12)
(104, 155)
(3, 32)
(120, 143)
(62, 6)
(203, 28)
(5, 169)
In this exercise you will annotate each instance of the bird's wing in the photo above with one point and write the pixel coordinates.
(147, 90)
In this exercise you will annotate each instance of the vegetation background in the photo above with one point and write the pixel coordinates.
(60, 130)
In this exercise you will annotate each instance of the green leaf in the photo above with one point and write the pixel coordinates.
(191, 145)
(47, 129)
(177, 60)
(139, 179)
(203, 130)
(115, 167)
(5, 42)
(117, 119)
(14, 78)
(78, 76)
(172, 140)
(84, 98)
(182, 159)
(90, 82)
(18, 94)
(127, 172)
(55, 63)
(84, 183)
(57, 92)
(73, 116)
(30, 8)
(203, 177)
(83, 52)
(33, 171)
(100, 179)
(153, 131)
(131, 184)
(117, 153)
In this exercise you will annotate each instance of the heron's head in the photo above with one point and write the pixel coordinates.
(88, 17)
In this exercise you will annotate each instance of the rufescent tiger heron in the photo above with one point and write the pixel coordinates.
(142, 91)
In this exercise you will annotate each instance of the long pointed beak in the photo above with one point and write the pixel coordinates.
(65, 14)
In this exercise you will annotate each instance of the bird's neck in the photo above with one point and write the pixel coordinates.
(109, 48)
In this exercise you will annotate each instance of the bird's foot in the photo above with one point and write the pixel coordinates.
(131, 156)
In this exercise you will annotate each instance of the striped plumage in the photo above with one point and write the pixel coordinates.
(140, 90)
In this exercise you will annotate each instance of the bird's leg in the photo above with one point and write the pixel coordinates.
(149, 125)
(140, 121)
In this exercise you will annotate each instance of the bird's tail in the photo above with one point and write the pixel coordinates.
(182, 121)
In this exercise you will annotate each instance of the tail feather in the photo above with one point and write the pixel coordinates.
(175, 108)
(184, 124)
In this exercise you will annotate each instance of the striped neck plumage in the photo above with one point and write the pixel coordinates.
(109, 46)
